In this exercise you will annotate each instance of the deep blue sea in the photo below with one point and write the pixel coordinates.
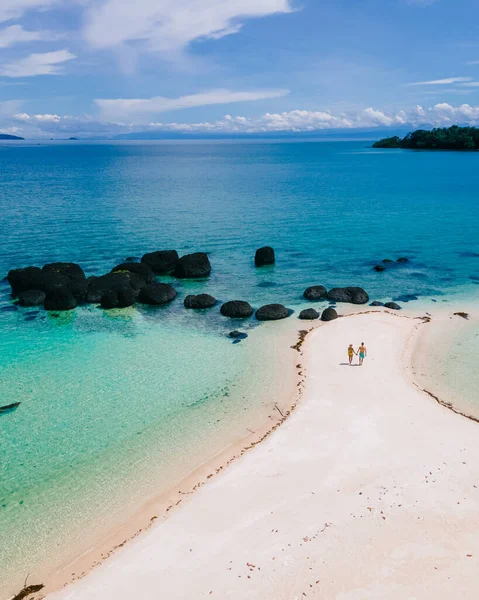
(113, 404)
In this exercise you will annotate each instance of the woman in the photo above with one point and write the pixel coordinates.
(351, 353)
(362, 353)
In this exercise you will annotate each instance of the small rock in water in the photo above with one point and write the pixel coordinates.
(264, 256)
(379, 268)
(30, 318)
(403, 259)
(308, 314)
(272, 312)
(387, 260)
(236, 309)
(377, 303)
(392, 305)
(237, 334)
(353, 295)
(200, 301)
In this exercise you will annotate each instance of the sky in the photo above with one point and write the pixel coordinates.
(106, 67)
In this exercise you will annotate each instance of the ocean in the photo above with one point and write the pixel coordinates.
(115, 405)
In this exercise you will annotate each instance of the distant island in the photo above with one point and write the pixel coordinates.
(6, 136)
(441, 138)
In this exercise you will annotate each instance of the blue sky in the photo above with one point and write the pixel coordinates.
(104, 67)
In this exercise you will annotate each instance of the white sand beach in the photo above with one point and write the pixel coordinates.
(369, 490)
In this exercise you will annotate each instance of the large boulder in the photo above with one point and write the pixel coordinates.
(264, 256)
(236, 309)
(120, 280)
(143, 270)
(31, 298)
(28, 278)
(193, 266)
(68, 275)
(121, 298)
(60, 299)
(329, 314)
(352, 295)
(71, 270)
(272, 312)
(200, 301)
(315, 293)
(308, 314)
(162, 262)
(156, 294)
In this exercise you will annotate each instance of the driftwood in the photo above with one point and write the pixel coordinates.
(31, 589)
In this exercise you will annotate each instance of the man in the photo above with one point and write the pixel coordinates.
(351, 353)
(362, 353)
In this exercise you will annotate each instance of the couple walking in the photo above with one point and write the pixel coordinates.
(361, 351)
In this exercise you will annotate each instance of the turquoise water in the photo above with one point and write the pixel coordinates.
(114, 405)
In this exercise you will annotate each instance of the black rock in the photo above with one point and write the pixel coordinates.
(130, 259)
(403, 259)
(143, 270)
(193, 266)
(30, 318)
(329, 314)
(68, 275)
(264, 256)
(200, 301)
(272, 312)
(237, 335)
(97, 287)
(392, 305)
(315, 292)
(60, 299)
(309, 314)
(121, 298)
(387, 260)
(236, 309)
(162, 262)
(28, 278)
(71, 270)
(379, 268)
(31, 298)
(376, 303)
(156, 294)
(352, 295)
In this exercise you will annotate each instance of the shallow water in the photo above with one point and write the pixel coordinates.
(115, 405)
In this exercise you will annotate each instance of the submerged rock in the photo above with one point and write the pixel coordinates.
(31, 298)
(329, 314)
(315, 292)
(402, 259)
(352, 295)
(392, 305)
(193, 266)
(236, 309)
(162, 261)
(60, 299)
(387, 260)
(237, 335)
(200, 301)
(379, 268)
(272, 312)
(264, 256)
(308, 314)
(156, 294)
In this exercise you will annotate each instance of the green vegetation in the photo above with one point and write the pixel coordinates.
(442, 138)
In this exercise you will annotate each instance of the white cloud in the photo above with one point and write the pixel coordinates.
(134, 108)
(446, 81)
(471, 84)
(472, 62)
(47, 63)
(170, 25)
(13, 9)
(15, 34)
(299, 121)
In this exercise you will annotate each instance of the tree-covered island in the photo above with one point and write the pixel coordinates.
(440, 138)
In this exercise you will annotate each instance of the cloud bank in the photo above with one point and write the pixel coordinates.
(295, 121)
